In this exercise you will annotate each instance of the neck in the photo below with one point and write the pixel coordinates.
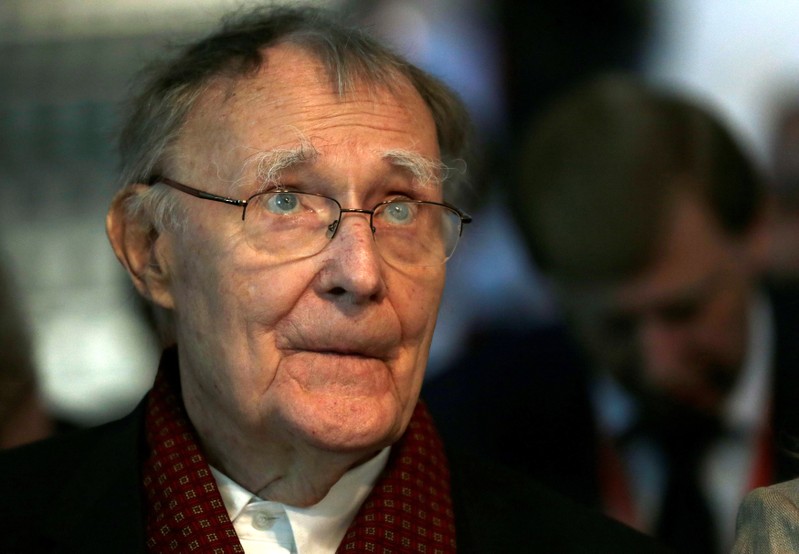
(299, 479)
(273, 467)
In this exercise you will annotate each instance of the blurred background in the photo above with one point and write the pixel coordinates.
(65, 65)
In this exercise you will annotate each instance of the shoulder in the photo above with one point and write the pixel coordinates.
(514, 396)
(80, 484)
(768, 520)
(52, 460)
(499, 510)
(508, 369)
(771, 504)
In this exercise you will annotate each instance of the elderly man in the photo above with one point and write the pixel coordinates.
(662, 398)
(284, 211)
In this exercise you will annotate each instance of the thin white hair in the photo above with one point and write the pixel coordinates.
(272, 163)
(426, 171)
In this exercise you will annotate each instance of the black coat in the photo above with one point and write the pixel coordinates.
(81, 493)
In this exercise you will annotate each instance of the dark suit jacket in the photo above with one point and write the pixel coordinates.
(81, 493)
(526, 394)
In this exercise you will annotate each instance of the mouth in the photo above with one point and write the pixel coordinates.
(343, 353)
(372, 340)
(351, 346)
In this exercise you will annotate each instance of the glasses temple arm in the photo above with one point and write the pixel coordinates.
(195, 192)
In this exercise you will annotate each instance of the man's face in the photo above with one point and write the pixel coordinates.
(328, 350)
(676, 331)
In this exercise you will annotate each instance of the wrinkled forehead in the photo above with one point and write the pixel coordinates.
(291, 102)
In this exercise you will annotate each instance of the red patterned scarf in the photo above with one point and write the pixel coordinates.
(409, 509)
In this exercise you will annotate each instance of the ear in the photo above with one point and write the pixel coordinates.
(139, 247)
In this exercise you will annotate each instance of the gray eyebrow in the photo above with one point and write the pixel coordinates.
(426, 171)
(271, 163)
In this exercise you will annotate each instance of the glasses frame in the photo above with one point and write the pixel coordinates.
(160, 179)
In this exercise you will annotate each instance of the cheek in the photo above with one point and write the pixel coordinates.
(265, 295)
(223, 288)
(417, 299)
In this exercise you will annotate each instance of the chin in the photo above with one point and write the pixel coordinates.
(349, 424)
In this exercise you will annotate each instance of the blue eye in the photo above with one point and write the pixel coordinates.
(398, 213)
(282, 203)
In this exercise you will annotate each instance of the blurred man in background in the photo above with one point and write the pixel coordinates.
(661, 399)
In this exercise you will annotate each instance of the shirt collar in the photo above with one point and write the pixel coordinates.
(233, 495)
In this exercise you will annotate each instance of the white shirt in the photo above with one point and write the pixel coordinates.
(729, 464)
(265, 527)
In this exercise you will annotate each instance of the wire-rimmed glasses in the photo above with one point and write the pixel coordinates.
(288, 225)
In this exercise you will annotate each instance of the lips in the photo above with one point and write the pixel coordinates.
(349, 348)
(362, 342)
(341, 352)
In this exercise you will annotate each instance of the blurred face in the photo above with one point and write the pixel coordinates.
(327, 350)
(678, 330)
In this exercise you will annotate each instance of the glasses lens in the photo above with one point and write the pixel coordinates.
(289, 225)
(416, 233)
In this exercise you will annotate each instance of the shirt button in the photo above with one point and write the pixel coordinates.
(262, 521)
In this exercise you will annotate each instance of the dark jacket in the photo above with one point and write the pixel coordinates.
(81, 493)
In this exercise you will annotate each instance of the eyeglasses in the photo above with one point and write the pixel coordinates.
(289, 225)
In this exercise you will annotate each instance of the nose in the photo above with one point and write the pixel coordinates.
(353, 269)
